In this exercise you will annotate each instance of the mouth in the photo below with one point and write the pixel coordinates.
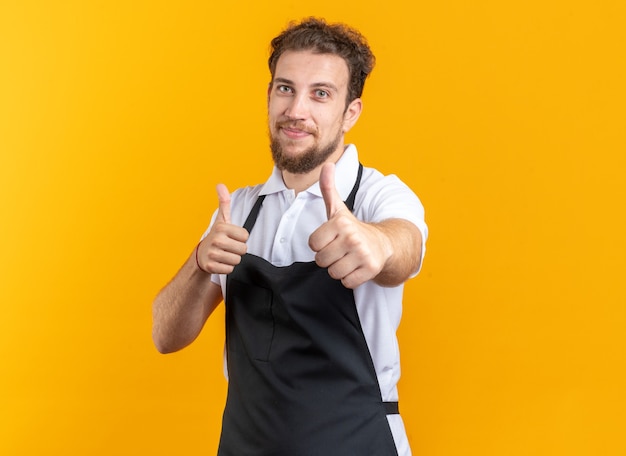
(295, 131)
(292, 133)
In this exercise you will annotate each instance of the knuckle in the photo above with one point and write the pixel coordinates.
(220, 243)
(220, 227)
(332, 271)
(347, 282)
(354, 242)
(343, 221)
(321, 261)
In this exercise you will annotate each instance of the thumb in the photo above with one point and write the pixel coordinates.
(223, 195)
(331, 196)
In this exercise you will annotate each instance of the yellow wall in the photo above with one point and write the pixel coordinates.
(117, 119)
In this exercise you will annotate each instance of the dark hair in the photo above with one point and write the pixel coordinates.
(322, 38)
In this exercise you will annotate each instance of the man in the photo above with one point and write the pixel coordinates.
(310, 266)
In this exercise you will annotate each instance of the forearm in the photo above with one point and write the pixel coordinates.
(182, 307)
(403, 242)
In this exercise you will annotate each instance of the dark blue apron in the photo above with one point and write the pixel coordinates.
(301, 378)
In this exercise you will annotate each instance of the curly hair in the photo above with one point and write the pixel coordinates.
(315, 34)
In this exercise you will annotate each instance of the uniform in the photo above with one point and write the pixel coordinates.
(313, 366)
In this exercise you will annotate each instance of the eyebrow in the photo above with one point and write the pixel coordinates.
(322, 84)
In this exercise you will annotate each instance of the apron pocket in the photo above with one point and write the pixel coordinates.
(253, 320)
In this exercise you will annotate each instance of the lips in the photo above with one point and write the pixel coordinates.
(294, 134)
(295, 130)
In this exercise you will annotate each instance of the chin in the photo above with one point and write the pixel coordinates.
(293, 148)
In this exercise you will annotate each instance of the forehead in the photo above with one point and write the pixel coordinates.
(308, 68)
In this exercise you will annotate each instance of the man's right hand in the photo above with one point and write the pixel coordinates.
(221, 250)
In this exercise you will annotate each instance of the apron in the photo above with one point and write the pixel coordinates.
(301, 378)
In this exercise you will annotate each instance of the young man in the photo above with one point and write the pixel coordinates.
(311, 267)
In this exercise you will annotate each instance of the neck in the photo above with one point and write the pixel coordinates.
(300, 182)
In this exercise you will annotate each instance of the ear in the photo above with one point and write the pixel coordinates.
(269, 91)
(352, 114)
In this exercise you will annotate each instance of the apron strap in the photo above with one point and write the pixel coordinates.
(391, 408)
(254, 213)
(352, 196)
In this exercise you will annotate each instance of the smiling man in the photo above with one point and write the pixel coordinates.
(311, 267)
(308, 112)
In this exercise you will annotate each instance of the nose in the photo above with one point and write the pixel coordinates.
(297, 107)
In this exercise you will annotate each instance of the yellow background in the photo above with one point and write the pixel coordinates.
(117, 119)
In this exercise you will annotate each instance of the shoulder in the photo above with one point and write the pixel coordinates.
(241, 202)
(383, 197)
(386, 196)
(245, 194)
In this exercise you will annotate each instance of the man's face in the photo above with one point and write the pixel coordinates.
(307, 110)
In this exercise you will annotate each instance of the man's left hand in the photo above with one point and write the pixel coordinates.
(353, 251)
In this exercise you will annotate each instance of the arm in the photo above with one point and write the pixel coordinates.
(183, 306)
(403, 254)
(354, 252)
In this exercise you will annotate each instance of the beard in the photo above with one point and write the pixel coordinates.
(304, 161)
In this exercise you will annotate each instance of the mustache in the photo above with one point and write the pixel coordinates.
(296, 125)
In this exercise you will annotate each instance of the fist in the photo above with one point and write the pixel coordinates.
(221, 250)
(353, 251)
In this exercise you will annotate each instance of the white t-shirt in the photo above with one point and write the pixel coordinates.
(281, 235)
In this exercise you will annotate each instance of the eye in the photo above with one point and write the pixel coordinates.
(320, 93)
(284, 89)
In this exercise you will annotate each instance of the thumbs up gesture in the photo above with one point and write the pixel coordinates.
(221, 250)
(353, 251)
